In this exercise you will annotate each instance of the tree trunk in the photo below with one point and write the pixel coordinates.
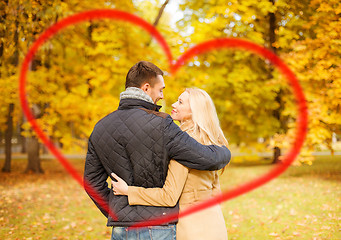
(9, 130)
(23, 142)
(90, 30)
(22, 138)
(272, 28)
(277, 154)
(8, 139)
(14, 60)
(3, 30)
(33, 164)
(278, 99)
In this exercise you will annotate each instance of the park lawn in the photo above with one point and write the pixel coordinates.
(303, 203)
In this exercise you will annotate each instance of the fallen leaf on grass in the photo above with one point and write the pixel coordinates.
(301, 224)
(286, 228)
(326, 207)
(293, 212)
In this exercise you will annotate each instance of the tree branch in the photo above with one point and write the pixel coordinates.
(160, 13)
(157, 19)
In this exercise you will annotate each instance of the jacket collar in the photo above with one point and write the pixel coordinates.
(134, 97)
(137, 93)
(130, 103)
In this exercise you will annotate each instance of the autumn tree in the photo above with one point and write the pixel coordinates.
(77, 75)
(244, 86)
(316, 58)
(253, 99)
(9, 60)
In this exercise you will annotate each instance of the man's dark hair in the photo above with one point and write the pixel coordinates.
(141, 73)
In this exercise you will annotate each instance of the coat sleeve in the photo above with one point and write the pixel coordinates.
(168, 195)
(95, 180)
(189, 152)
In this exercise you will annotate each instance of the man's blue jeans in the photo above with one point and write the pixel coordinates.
(148, 233)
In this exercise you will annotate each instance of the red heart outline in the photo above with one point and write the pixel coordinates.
(204, 47)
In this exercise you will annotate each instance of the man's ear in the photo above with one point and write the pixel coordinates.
(145, 87)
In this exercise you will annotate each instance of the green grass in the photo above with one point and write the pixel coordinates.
(303, 203)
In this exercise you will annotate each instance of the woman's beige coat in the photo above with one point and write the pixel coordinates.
(192, 186)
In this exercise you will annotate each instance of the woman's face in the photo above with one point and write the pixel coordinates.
(181, 108)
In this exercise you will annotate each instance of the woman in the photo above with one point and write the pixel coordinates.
(197, 116)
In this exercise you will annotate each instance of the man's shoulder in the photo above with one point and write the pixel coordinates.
(158, 114)
(105, 120)
(132, 118)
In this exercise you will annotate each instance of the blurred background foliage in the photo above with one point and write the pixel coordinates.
(76, 77)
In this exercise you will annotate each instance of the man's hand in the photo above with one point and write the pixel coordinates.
(120, 187)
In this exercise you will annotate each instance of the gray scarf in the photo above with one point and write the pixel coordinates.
(137, 93)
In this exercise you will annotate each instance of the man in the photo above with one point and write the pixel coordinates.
(136, 142)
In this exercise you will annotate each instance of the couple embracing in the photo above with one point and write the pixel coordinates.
(159, 168)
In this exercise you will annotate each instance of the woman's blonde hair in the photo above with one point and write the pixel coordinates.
(204, 125)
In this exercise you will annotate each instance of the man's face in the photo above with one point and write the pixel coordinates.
(155, 92)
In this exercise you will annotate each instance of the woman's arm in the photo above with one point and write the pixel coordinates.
(168, 195)
(216, 185)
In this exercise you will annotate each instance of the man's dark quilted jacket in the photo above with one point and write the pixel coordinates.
(136, 142)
